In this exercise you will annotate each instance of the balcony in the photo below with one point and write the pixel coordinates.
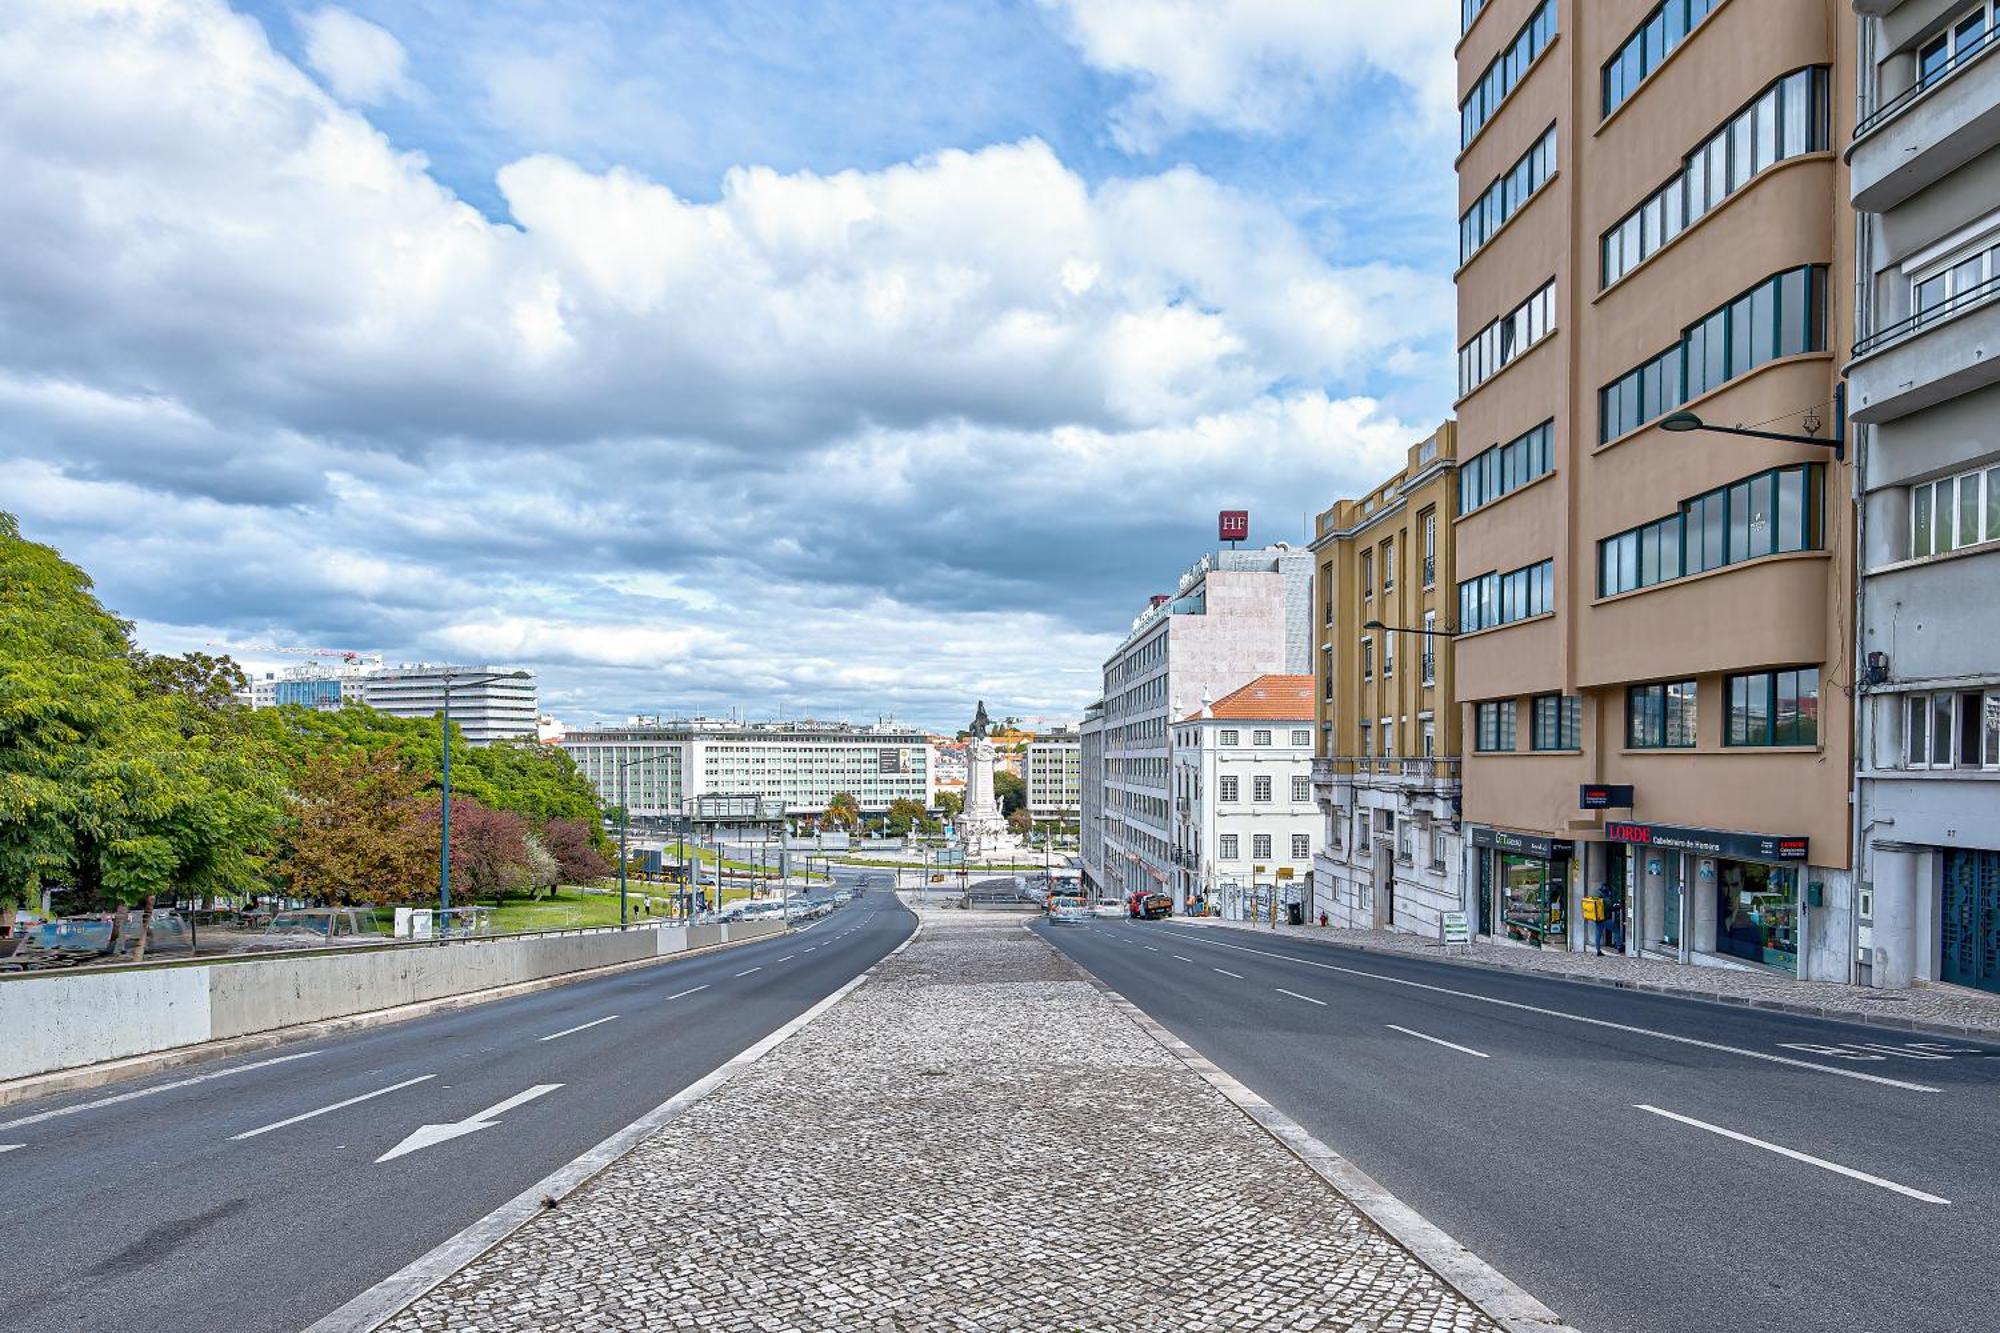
(1925, 133)
(1336, 779)
(1935, 355)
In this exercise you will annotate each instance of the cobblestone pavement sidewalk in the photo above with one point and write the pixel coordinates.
(973, 1140)
(1944, 1007)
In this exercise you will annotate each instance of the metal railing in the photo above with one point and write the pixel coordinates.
(1890, 109)
(1407, 767)
(1950, 307)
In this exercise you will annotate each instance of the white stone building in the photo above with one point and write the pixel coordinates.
(1245, 826)
(1052, 768)
(484, 709)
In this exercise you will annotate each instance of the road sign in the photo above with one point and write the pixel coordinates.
(1284, 872)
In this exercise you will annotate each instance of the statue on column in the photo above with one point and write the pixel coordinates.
(980, 827)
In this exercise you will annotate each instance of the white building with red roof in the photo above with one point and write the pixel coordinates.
(1244, 824)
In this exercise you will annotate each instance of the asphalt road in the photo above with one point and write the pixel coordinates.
(185, 1201)
(1535, 1121)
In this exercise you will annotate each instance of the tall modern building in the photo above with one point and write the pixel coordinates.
(1233, 616)
(804, 764)
(1387, 773)
(483, 708)
(1052, 769)
(1655, 650)
(1924, 390)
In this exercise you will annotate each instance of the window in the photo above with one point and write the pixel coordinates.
(1787, 119)
(1388, 654)
(1427, 527)
(1388, 736)
(1957, 511)
(1496, 345)
(1226, 737)
(1784, 315)
(1261, 736)
(1495, 726)
(1962, 39)
(1494, 472)
(1774, 708)
(1367, 574)
(1657, 35)
(1660, 716)
(1952, 730)
(1498, 79)
(1260, 790)
(1368, 659)
(1301, 846)
(1228, 789)
(1388, 564)
(1225, 846)
(1468, 10)
(1772, 512)
(1429, 728)
(1437, 847)
(1301, 789)
(1260, 846)
(1302, 736)
(1367, 737)
(1502, 599)
(1556, 723)
(1430, 648)
(1505, 196)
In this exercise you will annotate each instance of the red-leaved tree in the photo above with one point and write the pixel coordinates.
(573, 844)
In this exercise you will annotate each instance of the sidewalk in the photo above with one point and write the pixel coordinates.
(976, 1139)
(1929, 1008)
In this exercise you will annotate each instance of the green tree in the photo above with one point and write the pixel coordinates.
(1009, 791)
(842, 812)
(359, 829)
(950, 804)
(904, 815)
(1020, 821)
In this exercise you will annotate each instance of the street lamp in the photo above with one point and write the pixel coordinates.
(1402, 629)
(625, 818)
(1683, 422)
(450, 681)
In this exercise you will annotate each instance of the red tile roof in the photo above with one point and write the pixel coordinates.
(1270, 699)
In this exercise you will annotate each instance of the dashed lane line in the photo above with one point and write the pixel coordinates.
(1296, 996)
(40, 1116)
(337, 1106)
(1237, 975)
(1796, 1155)
(578, 1028)
(1437, 1041)
(747, 971)
(689, 991)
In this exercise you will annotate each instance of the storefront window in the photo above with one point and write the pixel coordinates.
(1756, 913)
(1531, 900)
(1670, 914)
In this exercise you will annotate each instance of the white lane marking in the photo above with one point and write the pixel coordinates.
(747, 971)
(810, 947)
(788, 958)
(1184, 958)
(1796, 1155)
(1296, 996)
(1440, 1041)
(337, 1106)
(689, 991)
(1237, 975)
(9, 1147)
(578, 1028)
(1151, 949)
(1580, 1018)
(425, 1136)
(39, 1117)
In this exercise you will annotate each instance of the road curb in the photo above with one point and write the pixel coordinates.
(1860, 1017)
(1497, 1296)
(85, 1077)
(401, 1289)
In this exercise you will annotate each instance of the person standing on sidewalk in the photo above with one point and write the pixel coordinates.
(1594, 906)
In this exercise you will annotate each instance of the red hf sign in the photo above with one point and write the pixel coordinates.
(1233, 525)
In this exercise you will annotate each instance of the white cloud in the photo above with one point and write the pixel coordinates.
(1256, 66)
(361, 61)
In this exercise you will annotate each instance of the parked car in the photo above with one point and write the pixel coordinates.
(1069, 911)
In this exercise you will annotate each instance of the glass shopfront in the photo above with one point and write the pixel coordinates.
(1670, 916)
(1757, 913)
(1523, 887)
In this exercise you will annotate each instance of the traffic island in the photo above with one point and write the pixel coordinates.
(975, 1138)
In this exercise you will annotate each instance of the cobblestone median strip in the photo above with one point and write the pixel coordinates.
(976, 1139)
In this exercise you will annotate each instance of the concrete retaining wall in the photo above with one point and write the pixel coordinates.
(64, 1020)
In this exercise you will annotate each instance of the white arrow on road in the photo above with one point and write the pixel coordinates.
(425, 1136)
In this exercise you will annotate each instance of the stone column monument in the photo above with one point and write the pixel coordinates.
(980, 827)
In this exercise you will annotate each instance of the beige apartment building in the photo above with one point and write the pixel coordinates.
(1386, 771)
(1655, 221)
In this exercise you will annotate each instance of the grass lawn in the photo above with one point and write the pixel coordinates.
(571, 908)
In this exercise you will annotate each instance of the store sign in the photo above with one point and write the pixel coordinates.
(1547, 849)
(1454, 928)
(1709, 842)
(1603, 796)
(1233, 525)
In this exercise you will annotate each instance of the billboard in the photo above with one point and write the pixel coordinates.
(1233, 525)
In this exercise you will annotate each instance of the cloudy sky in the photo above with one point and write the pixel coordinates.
(840, 357)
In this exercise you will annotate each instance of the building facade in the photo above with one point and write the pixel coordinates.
(1234, 615)
(1924, 393)
(484, 710)
(1654, 655)
(1090, 799)
(804, 764)
(1245, 826)
(1052, 769)
(1386, 777)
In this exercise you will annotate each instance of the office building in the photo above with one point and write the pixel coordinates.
(1924, 394)
(1052, 769)
(1234, 615)
(804, 764)
(1387, 773)
(1244, 823)
(1655, 645)
(488, 703)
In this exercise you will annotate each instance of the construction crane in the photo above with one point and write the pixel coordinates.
(348, 655)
